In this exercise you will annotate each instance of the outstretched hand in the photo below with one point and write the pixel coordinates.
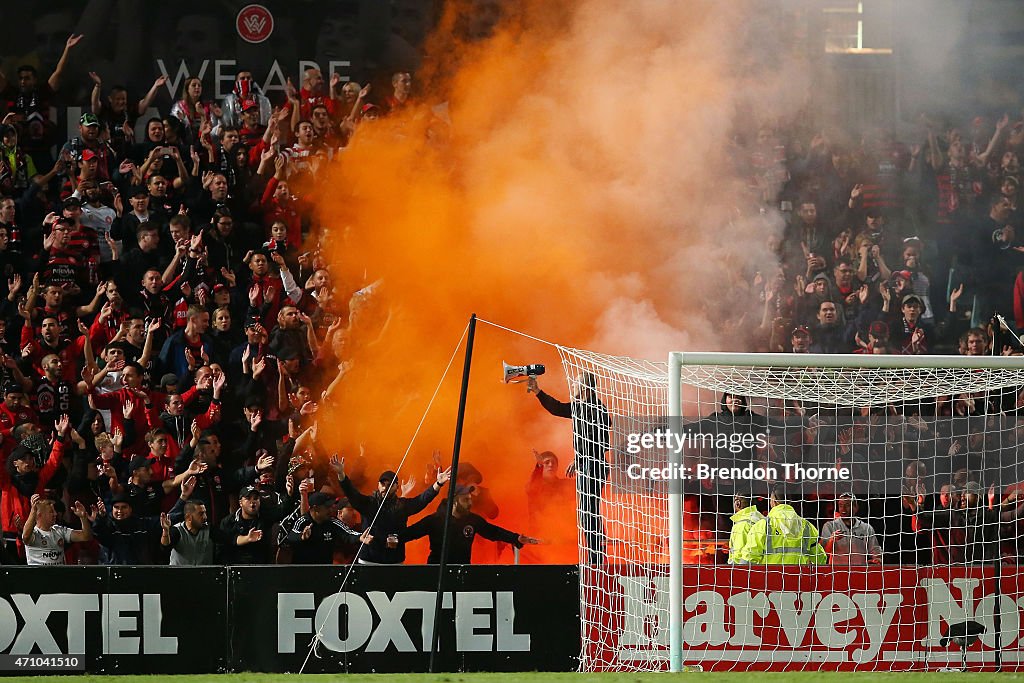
(338, 465)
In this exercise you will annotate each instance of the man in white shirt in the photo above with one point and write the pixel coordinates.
(848, 540)
(45, 539)
(98, 216)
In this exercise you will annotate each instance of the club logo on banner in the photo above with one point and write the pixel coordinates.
(255, 23)
(872, 620)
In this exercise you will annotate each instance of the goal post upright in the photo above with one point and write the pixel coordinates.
(675, 517)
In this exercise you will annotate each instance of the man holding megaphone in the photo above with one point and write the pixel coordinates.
(590, 441)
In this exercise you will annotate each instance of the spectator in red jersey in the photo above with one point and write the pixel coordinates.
(250, 130)
(311, 94)
(13, 411)
(23, 477)
(71, 351)
(324, 133)
(141, 403)
(878, 340)
(278, 204)
(401, 87)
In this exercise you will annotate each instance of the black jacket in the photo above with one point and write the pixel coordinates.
(462, 531)
(260, 552)
(393, 518)
(590, 427)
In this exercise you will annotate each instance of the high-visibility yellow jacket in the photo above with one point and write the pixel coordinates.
(742, 523)
(783, 537)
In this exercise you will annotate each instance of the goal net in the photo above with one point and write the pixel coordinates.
(905, 470)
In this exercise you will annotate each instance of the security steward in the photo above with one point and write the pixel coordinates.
(783, 537)
(745, 516)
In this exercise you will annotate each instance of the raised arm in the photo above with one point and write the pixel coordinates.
(85, 533)
(148, 99)
(550, 403)
(54, 80)
(147, 348)
(996, 135)
(30, 521)
(97, 91)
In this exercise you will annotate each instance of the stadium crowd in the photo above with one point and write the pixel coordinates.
(890, 247)
(893, 247)
(170, 331)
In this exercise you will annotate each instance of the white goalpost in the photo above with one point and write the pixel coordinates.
(904, 466)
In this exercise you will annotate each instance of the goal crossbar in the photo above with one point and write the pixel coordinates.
(822, 360)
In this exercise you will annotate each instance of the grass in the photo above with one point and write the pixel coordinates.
(536, 677)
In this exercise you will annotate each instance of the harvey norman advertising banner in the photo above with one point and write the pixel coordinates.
(793, 618)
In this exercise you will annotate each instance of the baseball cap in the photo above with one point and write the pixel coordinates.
(138, 462)
(879, 330)
(138, 191)
(911, 298)
(220, 287)
(252, 490)
(71, 200)
(369, 109)
(21, 453)
(387, 476)
(253, 321)
(88, 119)
(464, 490)
(801, 330)
(249, 103)
(120, 498)
(849, 496)
(320, 498)
(13, 388)
(972, 487)
(88, 154)
(905, 274)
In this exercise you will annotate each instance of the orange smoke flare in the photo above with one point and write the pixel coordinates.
(579, 186)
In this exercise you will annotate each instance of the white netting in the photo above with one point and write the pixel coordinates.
(911, 535)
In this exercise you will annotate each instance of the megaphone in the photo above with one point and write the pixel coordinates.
(514, 374)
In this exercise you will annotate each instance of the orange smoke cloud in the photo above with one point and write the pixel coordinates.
(577, 184)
